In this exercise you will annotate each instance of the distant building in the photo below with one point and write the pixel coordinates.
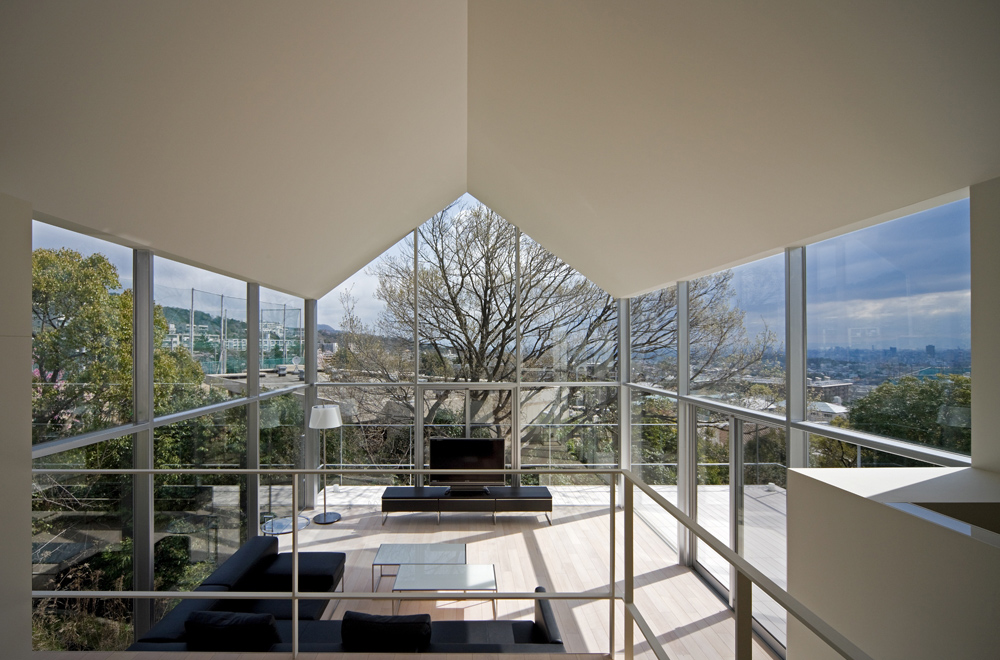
(930, 350)
(825, 389)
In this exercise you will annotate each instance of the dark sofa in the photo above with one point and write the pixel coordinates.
(265, 625)
(256, 566)
(538, 636)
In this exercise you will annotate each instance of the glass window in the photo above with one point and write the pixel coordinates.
(654, 338)
(81, 348)
(467, 296)
(205, 515)
(654, 458)
(365, 325)
(282, 335)
(889, 321)
(377, 432)
(765, 539)
(654, 441)
(830, 453)
(282, 432)
(569, 427)
(737, 330)
(200, 337)
(81, 539)
(569, 326)
(713, 488)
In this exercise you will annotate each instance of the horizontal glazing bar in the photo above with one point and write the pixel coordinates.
(325, 595)
(868, 440)
(452, 385)
(890, 445)
(44, 449)
(267, 394)
(652, 390)
(220, 471)
(199, 412)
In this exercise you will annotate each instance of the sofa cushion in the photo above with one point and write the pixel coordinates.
(230, 631)
(243, 562)
(318, 571)
(309, 610)
(170, 628)
(472, 632)
(546, 629)
(377, 633)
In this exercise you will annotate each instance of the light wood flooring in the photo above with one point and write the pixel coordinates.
(570, 555)
(687, 617)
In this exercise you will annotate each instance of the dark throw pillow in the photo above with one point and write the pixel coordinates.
(375, 633)
(230, 631)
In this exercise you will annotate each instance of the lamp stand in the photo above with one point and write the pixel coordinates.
(325, 518)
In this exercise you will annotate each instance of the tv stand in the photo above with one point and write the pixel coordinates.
(495, 499)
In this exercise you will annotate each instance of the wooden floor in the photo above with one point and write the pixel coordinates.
(570, 555)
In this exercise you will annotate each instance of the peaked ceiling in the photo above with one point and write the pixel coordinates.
(643, 142)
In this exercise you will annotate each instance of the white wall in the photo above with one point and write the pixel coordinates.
(15, 413)
(985, 219)
(894, 584)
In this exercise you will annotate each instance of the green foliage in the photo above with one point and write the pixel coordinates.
(931, 411)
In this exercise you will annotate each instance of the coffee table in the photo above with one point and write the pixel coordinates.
(446, 577)
(399, 554)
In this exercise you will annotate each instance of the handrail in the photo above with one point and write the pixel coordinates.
(903, 448)
(837, 641)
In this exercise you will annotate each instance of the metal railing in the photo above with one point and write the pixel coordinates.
(746, 574)
(903, 448)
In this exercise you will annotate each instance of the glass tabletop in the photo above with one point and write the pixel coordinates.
(396, 554)
(277, 526)
(446, 577)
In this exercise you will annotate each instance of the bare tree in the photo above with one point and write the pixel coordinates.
(467, 294)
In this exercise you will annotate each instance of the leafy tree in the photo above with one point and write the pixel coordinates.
(931, 411)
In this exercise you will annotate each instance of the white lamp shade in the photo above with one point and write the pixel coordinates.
(325, 417)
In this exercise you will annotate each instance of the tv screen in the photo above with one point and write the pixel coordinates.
(466, 454)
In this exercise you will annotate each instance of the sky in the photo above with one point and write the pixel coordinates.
(903, 283)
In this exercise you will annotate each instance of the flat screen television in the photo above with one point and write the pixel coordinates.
(467, 454)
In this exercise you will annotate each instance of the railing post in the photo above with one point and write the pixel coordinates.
(735, 495)
(143, 495)
(295, 566)
(612, 485)
(742, 603)
(624, 392)
(796, 407)
(310, 452)
(629, 569)
(253, 409)
(687, 433)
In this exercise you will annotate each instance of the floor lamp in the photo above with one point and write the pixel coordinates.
(325, 417)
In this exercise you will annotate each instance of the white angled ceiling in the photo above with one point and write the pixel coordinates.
(643, 142)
